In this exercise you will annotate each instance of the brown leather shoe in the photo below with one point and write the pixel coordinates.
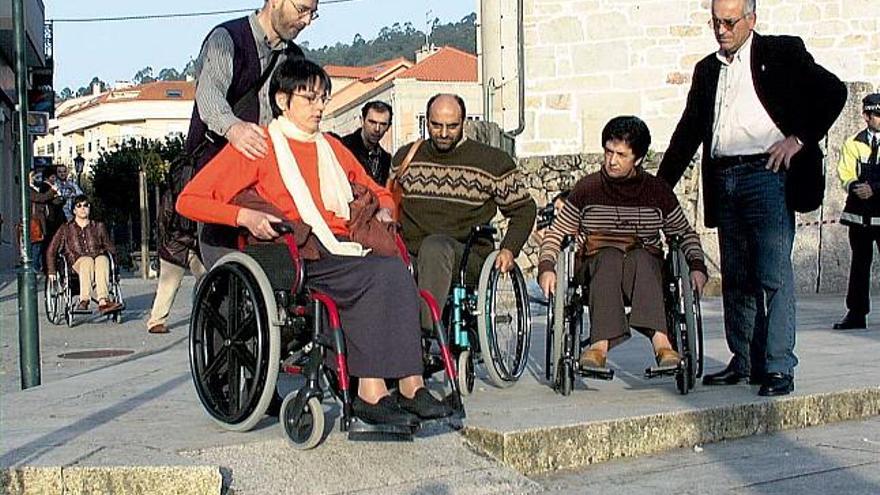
(160, 328)
(108, 307)
(83, 306)
(667, 358)
(592, 358)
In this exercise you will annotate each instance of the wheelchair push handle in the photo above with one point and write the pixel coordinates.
(282, 227)
(546, 215)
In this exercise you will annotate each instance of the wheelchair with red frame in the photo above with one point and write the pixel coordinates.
(253, 319)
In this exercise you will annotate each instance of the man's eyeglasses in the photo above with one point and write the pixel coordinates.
(83, 205)
(305, 11)
(729, 24)
(313, 98)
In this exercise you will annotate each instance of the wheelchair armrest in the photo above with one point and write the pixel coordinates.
(546, 215)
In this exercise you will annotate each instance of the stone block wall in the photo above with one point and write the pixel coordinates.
(589, 60)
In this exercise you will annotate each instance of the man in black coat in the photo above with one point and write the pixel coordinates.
(364, 141)
(759, 106)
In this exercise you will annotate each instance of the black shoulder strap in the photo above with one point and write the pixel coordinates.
(253, 90)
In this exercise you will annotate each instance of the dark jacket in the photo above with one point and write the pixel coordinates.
(376, 165)
(75, 242)
(802, 98)
(41, 209)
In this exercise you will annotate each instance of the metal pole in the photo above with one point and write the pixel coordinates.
(145, 224)
(28, 325)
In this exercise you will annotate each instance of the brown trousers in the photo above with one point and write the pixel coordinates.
(618, 279)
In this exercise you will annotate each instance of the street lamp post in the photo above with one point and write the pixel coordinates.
(78, 164)
(28, 325)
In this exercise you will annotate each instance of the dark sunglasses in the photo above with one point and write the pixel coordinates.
(83, 205)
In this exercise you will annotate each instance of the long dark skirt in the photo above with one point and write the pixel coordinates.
(379, 308)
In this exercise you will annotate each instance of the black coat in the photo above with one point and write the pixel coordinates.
(801, 97)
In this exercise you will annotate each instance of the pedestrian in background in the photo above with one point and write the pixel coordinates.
(859, 172)
(364, 141)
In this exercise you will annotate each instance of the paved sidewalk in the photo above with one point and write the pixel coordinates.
(141, 411)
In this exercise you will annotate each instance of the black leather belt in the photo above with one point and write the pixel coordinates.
(723, 162)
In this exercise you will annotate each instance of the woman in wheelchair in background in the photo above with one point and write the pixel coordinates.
(617, 215)
(308, 177)
(85, 243)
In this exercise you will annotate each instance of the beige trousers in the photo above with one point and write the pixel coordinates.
(93, 271)
(170, 276)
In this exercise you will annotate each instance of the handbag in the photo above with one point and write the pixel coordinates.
(394, 186)
(599, 240)
(365, 229)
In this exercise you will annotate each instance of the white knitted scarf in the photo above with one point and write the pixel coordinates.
(335, 189)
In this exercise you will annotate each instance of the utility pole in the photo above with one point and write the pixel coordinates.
(145, 222)
(28, 325)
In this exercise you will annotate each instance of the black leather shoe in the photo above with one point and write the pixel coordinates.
(851, 322)
(386, 411)
(727, 376)
(776, 384)
(424, 405)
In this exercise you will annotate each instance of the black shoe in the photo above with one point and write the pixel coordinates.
(776, 384)
(727, 376)
(424, 405)
(386, 411)
(851, 322)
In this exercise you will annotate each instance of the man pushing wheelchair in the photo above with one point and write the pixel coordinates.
(616, 216)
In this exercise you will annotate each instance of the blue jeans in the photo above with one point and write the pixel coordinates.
(755, 234)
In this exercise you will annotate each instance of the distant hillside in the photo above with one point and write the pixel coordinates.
(392, 42)
(397, 41)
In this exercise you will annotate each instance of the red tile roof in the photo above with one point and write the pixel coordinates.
(447, 64)
(369, 72)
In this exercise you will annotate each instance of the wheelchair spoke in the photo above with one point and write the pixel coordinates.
(214, 320)
(246, 358)
(212, 369)
(249, 324)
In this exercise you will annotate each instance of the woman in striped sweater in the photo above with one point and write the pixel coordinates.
(617, 215)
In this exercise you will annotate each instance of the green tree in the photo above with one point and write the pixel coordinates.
(144, 76)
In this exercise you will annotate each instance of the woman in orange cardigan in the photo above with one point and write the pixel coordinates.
(307, 176)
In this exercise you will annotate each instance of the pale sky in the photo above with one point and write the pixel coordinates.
(117, 50)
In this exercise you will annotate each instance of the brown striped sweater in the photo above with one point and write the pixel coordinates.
(448, 193)
(641, 206)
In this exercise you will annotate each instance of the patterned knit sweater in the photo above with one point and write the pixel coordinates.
(640, 206)
(448, 193)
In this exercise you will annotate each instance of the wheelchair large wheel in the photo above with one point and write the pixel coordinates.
(559, 327)
(55, 300)
(234, 347)
(306, 431)
(503, 323)
(685, 322)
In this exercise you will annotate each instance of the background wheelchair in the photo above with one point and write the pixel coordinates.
(490, 324)
(253, 319)
(61, 296)
(567, 333)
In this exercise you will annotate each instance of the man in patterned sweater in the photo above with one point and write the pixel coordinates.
(618, 214)
(450, 185)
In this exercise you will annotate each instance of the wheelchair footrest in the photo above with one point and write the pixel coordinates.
(82, 311)
(597, 373)
(360, 430)
(656, 371)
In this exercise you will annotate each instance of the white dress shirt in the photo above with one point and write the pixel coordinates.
(742, 125)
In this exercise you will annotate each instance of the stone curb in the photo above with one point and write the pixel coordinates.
(111, 480)
(535, 451)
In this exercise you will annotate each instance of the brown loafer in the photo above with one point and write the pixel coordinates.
(667, 358)
(108, 307)
(83, 306)
(592, 358)
(160, 328)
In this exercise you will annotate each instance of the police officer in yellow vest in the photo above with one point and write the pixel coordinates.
(859, 172)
